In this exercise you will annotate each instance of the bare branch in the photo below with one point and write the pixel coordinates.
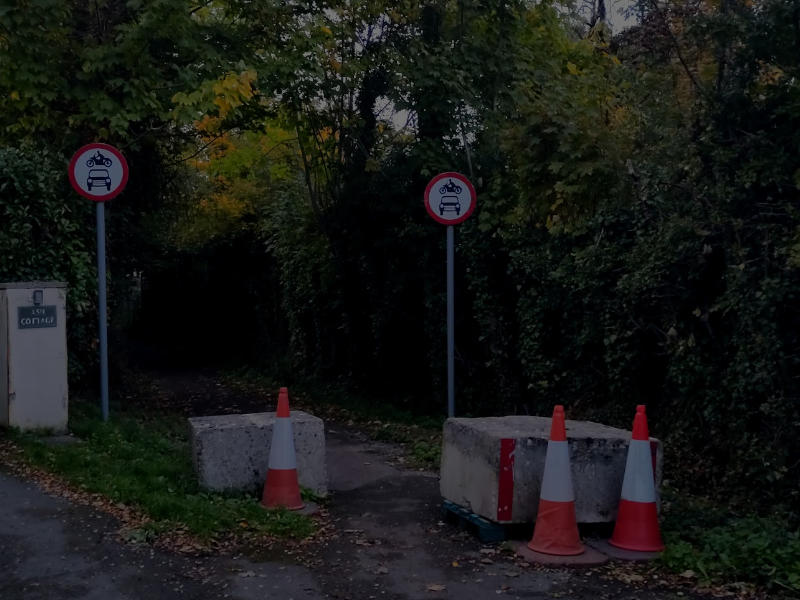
(307, 174)
(200, 7)
(199, 150)
(676, 44)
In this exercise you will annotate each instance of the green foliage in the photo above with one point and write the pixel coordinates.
(145, 462)
(75, 71)
(571, 129)
(721, 547)
(47, 236)
(303, 256)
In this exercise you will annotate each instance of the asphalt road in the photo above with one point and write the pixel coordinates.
(394, 545)
(53, 550)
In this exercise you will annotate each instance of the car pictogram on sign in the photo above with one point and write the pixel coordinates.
(447, 203)
(98, 177)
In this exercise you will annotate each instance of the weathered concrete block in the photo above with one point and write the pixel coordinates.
(470, 468)
(231, 452)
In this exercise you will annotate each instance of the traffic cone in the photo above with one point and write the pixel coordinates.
(637, 519)
(556, 530)
(281, 487)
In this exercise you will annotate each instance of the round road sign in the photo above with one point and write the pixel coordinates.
(98, 172)
(450, 198)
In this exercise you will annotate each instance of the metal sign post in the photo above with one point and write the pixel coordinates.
(101, 301)
(450, 200)
(451, 324)
(99, 172)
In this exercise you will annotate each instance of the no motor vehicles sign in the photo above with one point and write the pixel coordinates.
(98, 172)
(450, 198)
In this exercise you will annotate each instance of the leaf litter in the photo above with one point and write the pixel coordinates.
(136, 527)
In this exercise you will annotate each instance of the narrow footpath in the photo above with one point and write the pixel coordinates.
(389, 543)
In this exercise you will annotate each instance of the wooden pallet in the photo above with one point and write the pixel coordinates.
(486, 530)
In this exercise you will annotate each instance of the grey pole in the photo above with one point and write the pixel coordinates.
(101, 279)
(451, 370)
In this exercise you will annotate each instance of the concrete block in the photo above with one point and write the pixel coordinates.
(471, 456)
(231, 452)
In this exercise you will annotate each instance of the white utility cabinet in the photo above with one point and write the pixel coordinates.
(33, 355)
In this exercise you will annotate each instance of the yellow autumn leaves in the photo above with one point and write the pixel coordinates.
(215, 100)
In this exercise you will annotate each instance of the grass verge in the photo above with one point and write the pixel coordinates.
(144, 462)
(707, 542)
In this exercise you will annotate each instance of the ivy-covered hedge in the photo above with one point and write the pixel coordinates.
(47, 233)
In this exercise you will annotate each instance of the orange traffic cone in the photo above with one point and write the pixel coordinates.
(281, 487)
(637, 519)
(556, 530)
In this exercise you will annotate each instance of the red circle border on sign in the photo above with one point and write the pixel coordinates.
(84, 193)
(433, 214)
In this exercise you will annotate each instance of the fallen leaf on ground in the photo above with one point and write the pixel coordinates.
(435, 587)
(362, 542)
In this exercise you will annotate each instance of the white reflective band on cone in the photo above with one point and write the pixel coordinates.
(638, 484)
(557, 480)
(281, 451)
